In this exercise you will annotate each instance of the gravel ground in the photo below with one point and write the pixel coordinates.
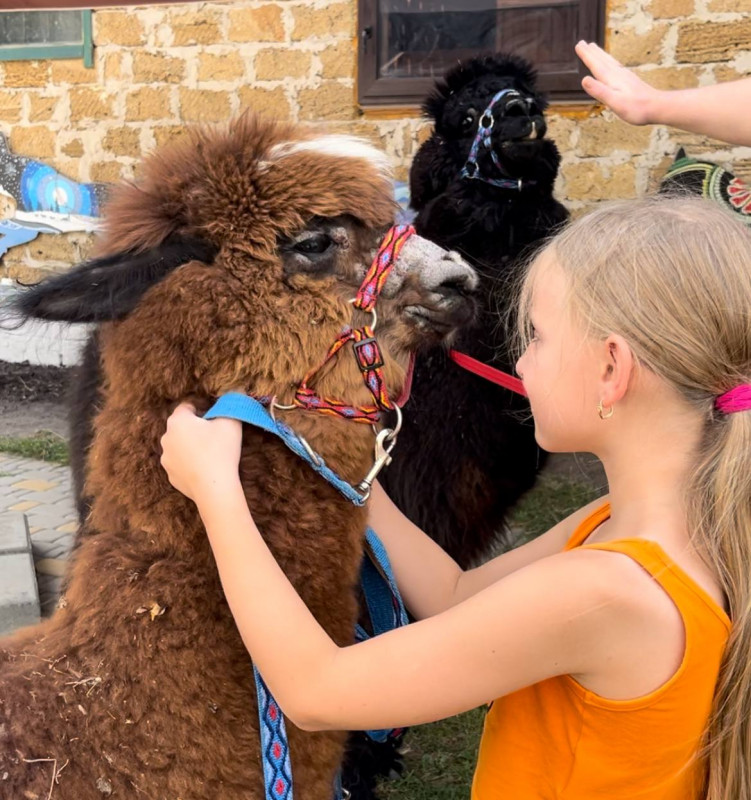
(32, 398)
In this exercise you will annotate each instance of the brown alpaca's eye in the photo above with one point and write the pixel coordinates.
(317, 244)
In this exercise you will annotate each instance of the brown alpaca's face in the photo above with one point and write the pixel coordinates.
(424, 301)
(298, 220)
(426, 298)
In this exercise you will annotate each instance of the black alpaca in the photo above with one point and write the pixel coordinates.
(467, 450)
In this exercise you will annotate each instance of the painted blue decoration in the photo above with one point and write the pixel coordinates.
(43, 200)
(45, 189)
(12, 234)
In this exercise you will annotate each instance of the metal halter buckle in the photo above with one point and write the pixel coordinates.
(384, 444)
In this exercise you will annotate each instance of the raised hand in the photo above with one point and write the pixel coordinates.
(617, 87)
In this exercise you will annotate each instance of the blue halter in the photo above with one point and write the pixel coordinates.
(384, 603)
(471, 168)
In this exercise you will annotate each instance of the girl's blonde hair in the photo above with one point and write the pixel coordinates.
(673, 277)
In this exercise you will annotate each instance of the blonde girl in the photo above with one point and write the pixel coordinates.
(606, 644)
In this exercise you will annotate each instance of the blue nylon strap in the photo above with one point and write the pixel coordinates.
(385, 605)
(382, 597)
(397, 616)
(247, 409)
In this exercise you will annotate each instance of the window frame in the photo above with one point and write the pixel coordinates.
(374, 91)
(53, 50)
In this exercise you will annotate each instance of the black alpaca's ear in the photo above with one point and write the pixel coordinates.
(680, 154)
(109, 288)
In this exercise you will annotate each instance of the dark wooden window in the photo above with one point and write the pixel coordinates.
(405, 44)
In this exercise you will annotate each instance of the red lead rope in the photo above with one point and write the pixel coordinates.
(489, 373)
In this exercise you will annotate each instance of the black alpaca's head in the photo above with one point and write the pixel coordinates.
(518, 147)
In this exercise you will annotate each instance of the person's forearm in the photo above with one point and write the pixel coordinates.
(286, 642)
(717, 111)
(426, 575)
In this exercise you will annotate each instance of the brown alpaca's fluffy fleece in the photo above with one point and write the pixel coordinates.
(139, 686)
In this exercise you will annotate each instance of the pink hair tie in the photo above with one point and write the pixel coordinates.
(738, 399)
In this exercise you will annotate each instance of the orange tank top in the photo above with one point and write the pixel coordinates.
(556, 740)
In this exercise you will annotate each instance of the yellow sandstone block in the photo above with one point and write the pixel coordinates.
(702, 42)
(224, 67)
(37, 141)
(157, 68)
(269, 102)
(196, 27)
(262, 24)
(10, 106)
(26, 74)
(334, 20)
(118, 27)
(274, 65)
(202, 105)
(331, 100)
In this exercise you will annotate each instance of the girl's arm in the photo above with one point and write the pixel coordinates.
(707, 110)
(553, 617)
(429, 579)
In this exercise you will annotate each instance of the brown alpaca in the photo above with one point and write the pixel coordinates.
(139, 686)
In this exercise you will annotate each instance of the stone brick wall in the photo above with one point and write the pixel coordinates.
(672, 44)
(157, 68)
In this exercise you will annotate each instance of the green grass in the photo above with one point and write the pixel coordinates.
(43, 446)
(440, 758)
(553, 498)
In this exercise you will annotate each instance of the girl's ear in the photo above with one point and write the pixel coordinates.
(109, 287)
(617, 369)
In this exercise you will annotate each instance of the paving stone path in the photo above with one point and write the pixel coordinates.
(43, 493)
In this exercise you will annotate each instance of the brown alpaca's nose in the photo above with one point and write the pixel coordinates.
(441, 299)
(433, 266)
(460, 279)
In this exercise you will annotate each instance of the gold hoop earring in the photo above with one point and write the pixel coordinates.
(605, 414)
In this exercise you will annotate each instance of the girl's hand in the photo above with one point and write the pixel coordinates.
(201, 456)
(616, 86)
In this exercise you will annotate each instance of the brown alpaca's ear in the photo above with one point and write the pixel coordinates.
(109, 287)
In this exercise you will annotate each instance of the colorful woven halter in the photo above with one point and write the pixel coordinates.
(471, 168)
(366, 349)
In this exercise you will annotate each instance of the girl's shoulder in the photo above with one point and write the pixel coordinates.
(656, 605)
